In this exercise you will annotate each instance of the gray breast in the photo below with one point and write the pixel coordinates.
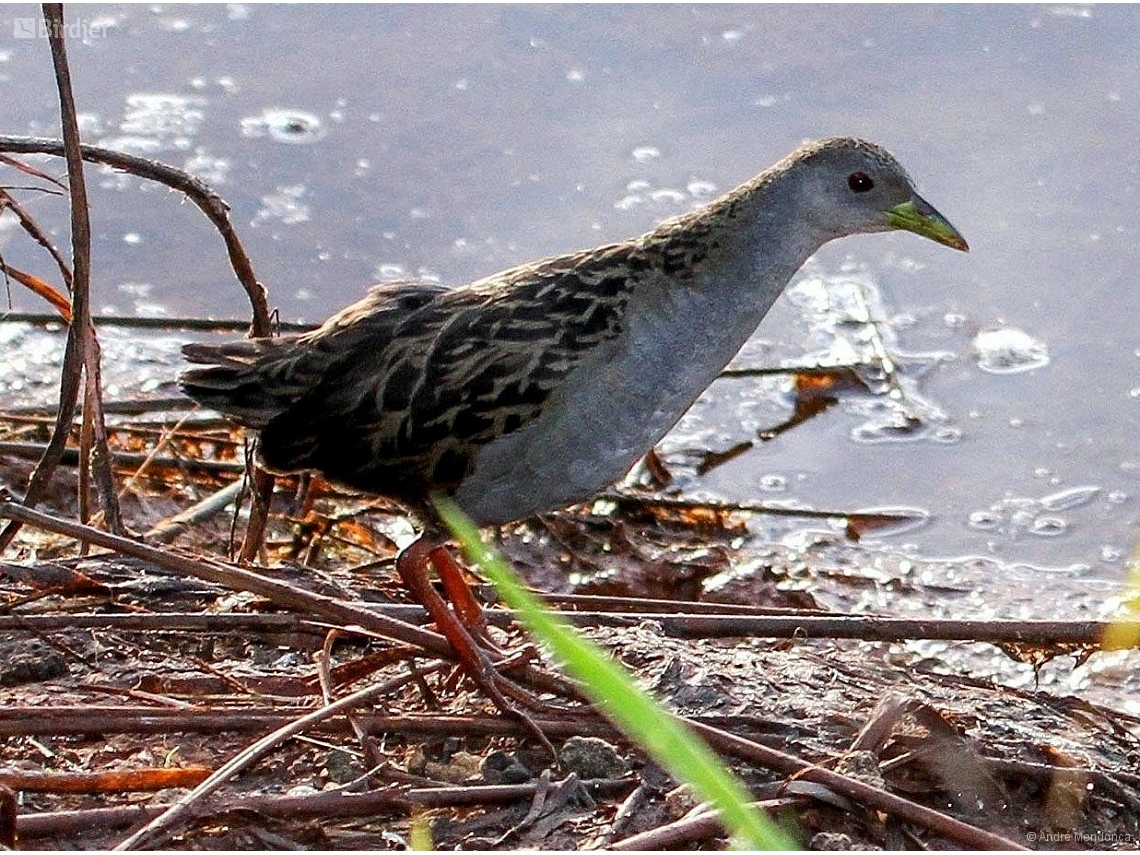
(613, 408)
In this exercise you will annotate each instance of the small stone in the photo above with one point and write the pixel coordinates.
(834, 841)
(862, 766)
(29, 660)
(341, 767)
(679, 801)
(460, 768)
(499, 767)
(591, 758)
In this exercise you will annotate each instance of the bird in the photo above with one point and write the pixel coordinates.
(537, 387)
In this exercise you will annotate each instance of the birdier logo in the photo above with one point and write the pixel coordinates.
(37, 28)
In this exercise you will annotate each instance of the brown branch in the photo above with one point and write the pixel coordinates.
(636, 605)
(116, 781)
(250, 755)
(788, 624)
(149, 323)
(208, 202)
(261, 498)
(864, 627)
(129, 459)
(858, 791)
(81, 822)
(29, 225)
(75, 348)
(9, 808)
(283, 594)
(329, 805)
(96, 427)
(96, 719)
(637, 501)
(217, 211)
(697, 826)
(332, 609)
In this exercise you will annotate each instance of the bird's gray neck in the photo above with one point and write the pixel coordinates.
(740, 251)
(719, 270)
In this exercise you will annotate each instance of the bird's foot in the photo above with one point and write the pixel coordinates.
(465, 627)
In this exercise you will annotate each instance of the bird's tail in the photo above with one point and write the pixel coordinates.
(249, 381)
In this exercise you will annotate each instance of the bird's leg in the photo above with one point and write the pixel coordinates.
(412, 566)
(468, 609)
(471, 614)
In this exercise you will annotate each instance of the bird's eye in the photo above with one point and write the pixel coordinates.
(860, 182)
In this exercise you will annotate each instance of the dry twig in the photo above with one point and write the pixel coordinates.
(81, 355)
(250, 755)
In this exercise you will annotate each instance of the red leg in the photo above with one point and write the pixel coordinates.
(412, 565)
(458, 591)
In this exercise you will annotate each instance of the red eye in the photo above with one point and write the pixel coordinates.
(860, 182)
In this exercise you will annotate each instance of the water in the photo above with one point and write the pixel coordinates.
(356, 143)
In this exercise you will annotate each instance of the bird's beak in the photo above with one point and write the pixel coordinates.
(919, 216)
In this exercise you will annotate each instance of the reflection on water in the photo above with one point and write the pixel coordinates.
(356, 143)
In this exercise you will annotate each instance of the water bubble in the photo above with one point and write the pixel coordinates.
(701, 189)
(159, 122)
(175, 25)
(667, 196)
(1072, 498)
(1070, 11)
(946, 435)
(773, 483)
(645, 153)
(1048, 526)
(287, 126)
(1110, 554)
(391, 271)
(212, 170)
(954, 320)
(136, 289)
(1008, 351)
(1022, 518)
(986, 520)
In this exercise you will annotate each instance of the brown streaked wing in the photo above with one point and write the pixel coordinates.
(406, 415)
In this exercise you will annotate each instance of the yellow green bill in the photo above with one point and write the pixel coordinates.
(920, 217)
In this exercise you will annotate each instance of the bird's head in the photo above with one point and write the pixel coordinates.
(851, 186)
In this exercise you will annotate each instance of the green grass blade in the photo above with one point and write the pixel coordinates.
(662, 735)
